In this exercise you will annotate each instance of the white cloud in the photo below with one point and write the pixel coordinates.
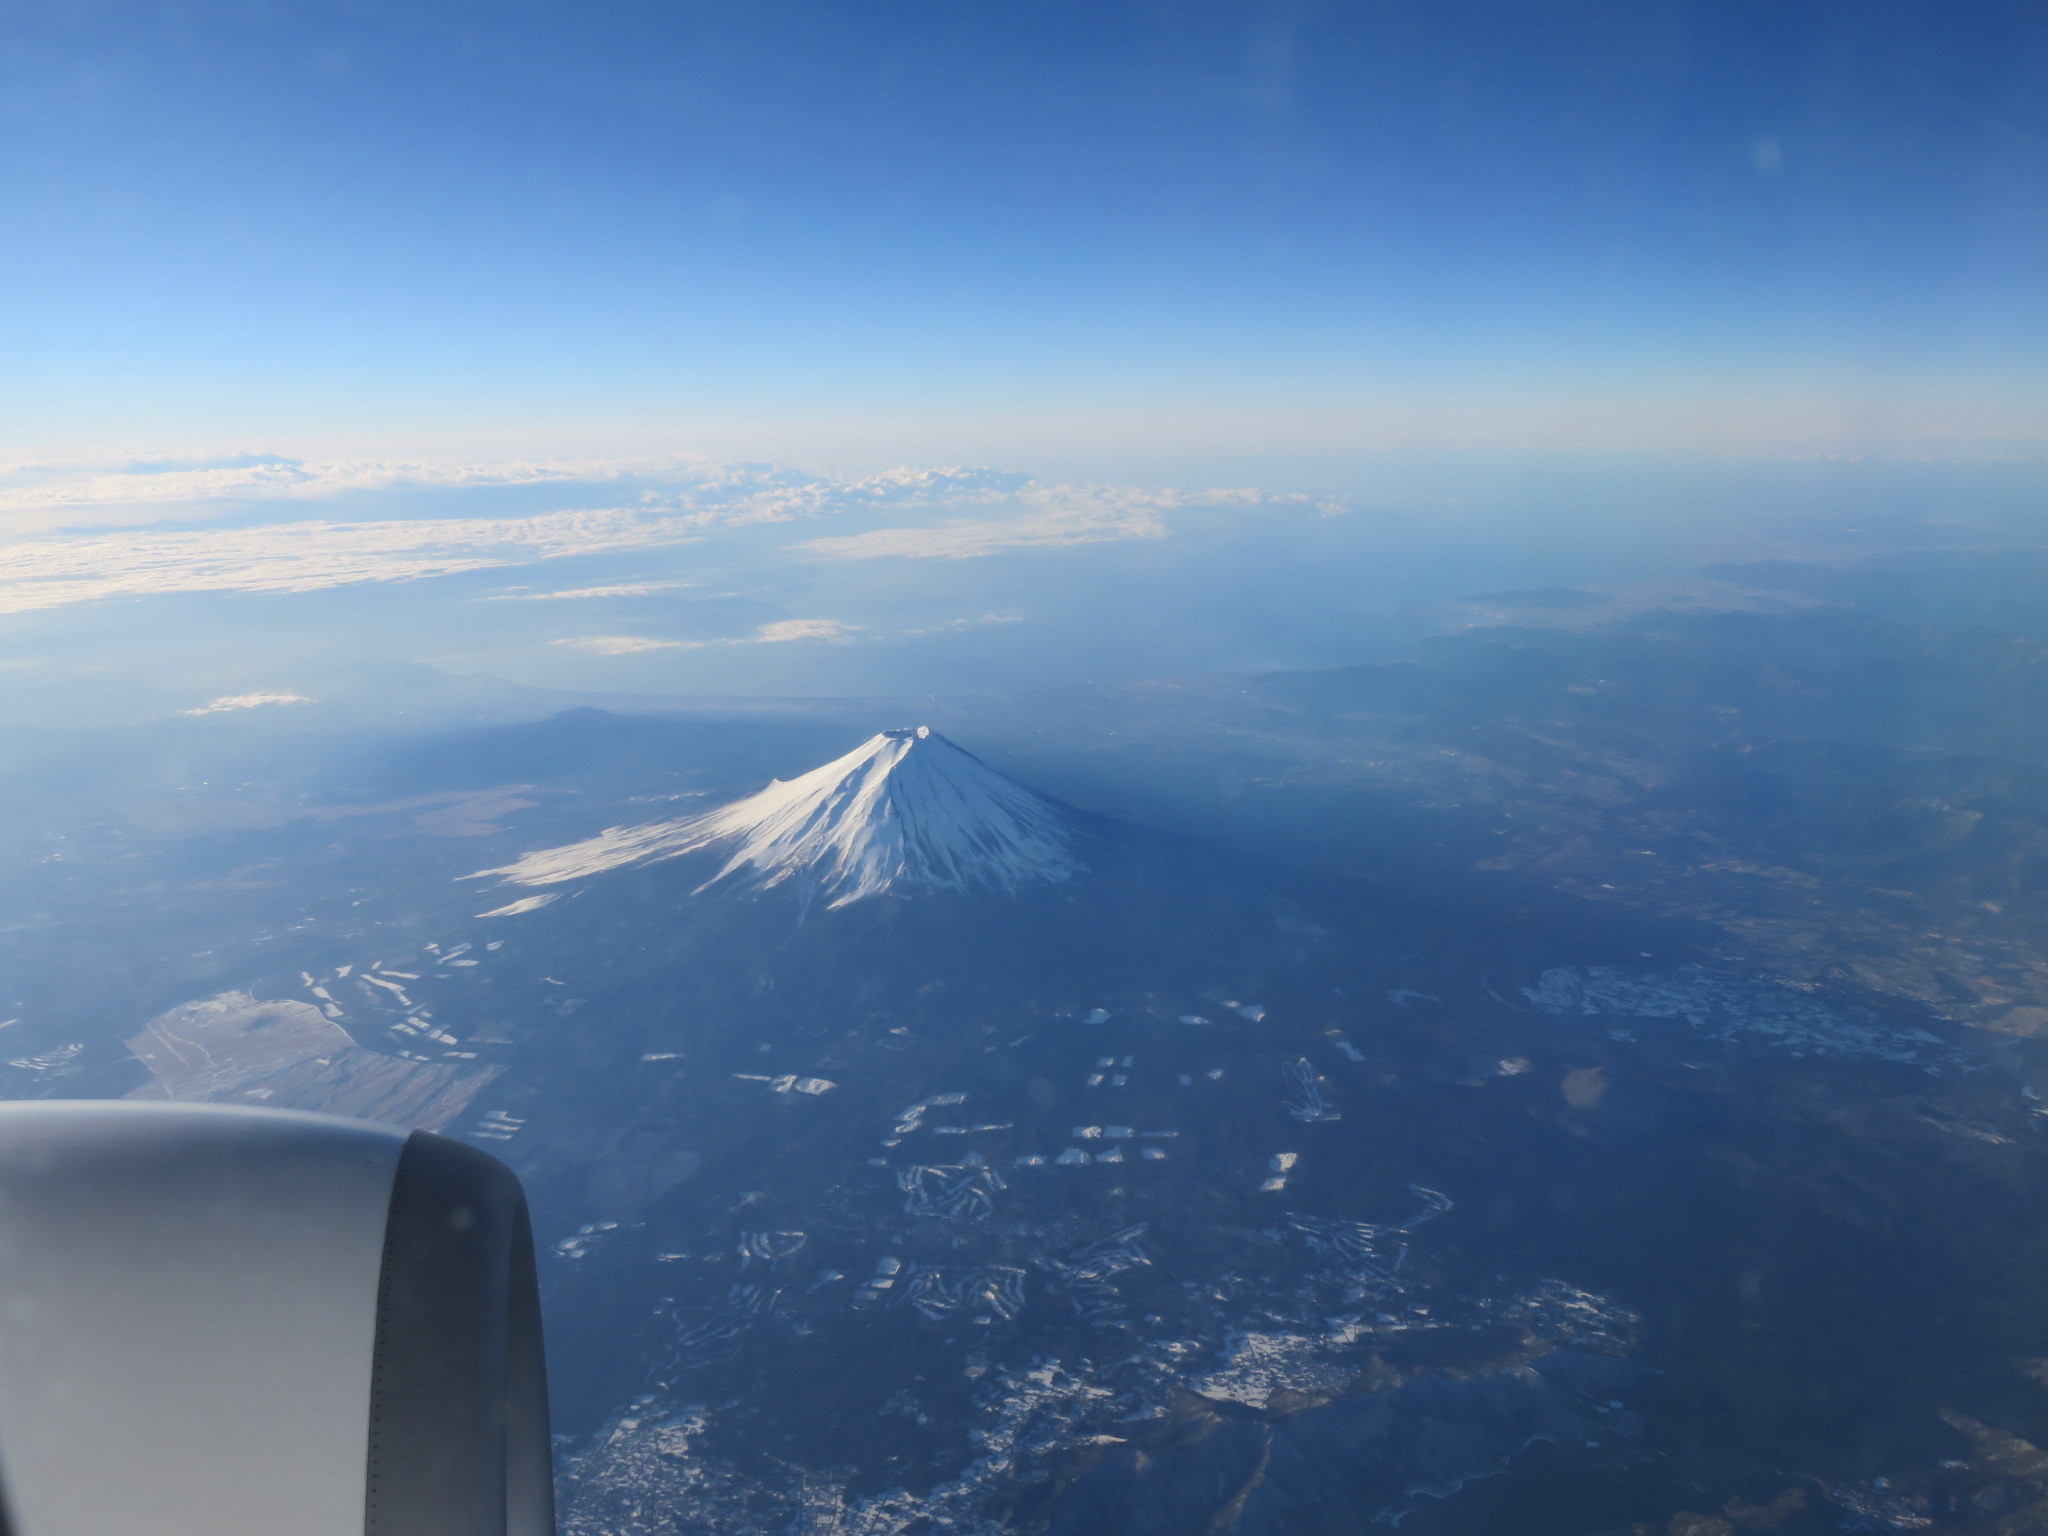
(768, 634)
(628, 589)
(1058, 516)
(954, 626)
(524, 904)
(246, 701)
(306, 556)
(87, 492)
(84, 494)
(965, 541)
(624, 645)
(803, 629)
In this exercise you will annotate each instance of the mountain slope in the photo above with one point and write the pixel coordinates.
(905, 811)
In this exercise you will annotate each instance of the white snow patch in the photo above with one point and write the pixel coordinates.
(1279, 1166)
(1260, 1364)
(1564, 1314)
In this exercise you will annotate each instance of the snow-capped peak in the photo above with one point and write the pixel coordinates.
(905, 810)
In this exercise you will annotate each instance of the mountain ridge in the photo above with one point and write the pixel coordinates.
(907, 810)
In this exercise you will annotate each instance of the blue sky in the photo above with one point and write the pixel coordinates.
(967, 229)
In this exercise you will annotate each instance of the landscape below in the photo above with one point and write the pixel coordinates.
(1583, 1077)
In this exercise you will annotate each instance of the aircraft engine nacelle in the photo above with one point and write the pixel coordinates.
(220, 1321)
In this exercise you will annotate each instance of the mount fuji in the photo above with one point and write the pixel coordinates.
(907, 810)
(1008, 1167)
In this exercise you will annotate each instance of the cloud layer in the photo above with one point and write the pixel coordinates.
(952, 513)
(305, 556)
(88, 495)
(82, 495)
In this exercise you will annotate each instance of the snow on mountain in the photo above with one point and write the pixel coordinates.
(905, 810)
